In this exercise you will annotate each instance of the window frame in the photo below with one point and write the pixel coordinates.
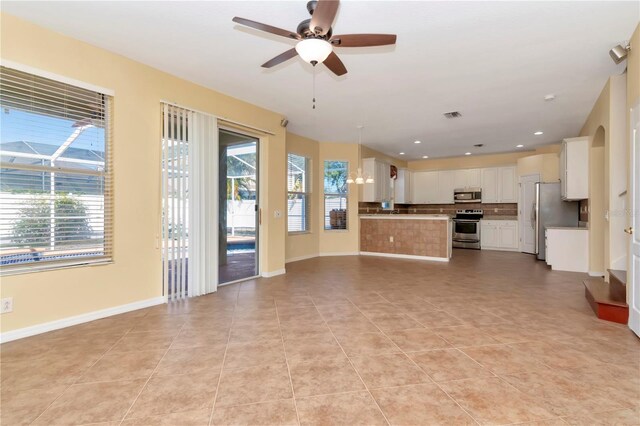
(344, 195)
(107, 197)
(307, 195)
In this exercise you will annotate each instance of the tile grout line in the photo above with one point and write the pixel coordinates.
(418, 367)
(83, 372)
(349, 359)
(286, 360)
(150, 376)
(224, 357)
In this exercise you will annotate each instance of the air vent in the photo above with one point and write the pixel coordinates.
(479, 145)
(452, 114)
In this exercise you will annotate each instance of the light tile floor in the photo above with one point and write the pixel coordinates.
(490, 338)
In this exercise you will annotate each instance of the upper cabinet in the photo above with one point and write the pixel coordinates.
(425, 188)
(499, 185)
(380, 190)
(467, 178)
(403, 187)
(574, 169)
(446, 186)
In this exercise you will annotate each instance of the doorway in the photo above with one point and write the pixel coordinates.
(238, 219)
(527, 213)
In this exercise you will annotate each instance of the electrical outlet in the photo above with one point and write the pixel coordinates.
(6, 305)
(390, 239)
(415, 210)
(441, 210)
(495, 210)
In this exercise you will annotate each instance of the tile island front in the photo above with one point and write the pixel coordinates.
(412, 236)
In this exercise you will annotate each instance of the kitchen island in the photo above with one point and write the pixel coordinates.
(411, 236)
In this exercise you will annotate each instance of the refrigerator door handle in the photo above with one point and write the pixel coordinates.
(533, 216)
(536, 218)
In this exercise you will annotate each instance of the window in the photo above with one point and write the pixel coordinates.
(55, 174)
(335, 194)
(298, 189)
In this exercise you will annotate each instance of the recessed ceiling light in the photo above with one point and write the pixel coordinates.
(519, 146)
(538, 133)
(401, 153)
(417, 142)
(425, 156)
(549, 97)
(467, 153)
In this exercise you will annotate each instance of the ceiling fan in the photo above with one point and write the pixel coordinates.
(315, 38)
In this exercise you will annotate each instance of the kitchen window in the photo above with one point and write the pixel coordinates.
(335, 195)
(55, 177)
(298, 193)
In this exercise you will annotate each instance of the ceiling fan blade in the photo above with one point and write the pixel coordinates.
(363, 40)
(266, 28)
(280, 58)
(323, 16)
(335, 64)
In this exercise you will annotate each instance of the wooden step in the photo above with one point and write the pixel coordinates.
(618, 285)
(598, 293)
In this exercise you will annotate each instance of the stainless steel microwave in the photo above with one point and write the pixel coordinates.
(467, 195)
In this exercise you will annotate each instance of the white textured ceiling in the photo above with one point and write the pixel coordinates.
(492, 61)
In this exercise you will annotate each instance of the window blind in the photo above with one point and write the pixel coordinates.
(335, 195)
(298, 187)
(56, 197)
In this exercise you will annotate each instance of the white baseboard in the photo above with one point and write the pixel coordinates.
(21, 333)
(296, 259)
(340, 253)
(596, 274)
(406, 256)
(274, 273)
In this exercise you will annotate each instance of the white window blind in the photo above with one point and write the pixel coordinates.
(335, 194)
(55, 174)
(298, 187)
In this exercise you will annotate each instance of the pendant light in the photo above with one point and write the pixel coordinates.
(360, 178)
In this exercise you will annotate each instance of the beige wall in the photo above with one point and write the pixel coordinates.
(478, 161)
(546, 165)
(340, 242)
(306, 245)
(321, 242)
(608, 170)
(135, 274)
(367, 152)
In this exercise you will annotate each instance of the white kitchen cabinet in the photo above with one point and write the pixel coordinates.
(507, 185)
(474, 179)
(446, 179)
(567, 249)
(499, 235)
(380, 190)
(425, 188)
(466, 178)
(574, 169)
(489, 185)
(499, 185)
(403, 187)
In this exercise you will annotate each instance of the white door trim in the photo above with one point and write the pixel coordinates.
(633, 285)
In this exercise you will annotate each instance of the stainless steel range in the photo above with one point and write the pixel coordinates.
(466, 229)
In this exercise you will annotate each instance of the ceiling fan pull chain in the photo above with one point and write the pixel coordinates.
(314, 87)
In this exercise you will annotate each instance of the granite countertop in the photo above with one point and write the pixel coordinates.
(489, 217)
(406, 216)
(568, 228)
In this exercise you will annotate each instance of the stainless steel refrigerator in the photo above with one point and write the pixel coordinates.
(550, 210)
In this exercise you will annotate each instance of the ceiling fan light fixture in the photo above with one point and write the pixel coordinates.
(314, 50)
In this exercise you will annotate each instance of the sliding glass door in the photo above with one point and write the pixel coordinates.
(238, 219)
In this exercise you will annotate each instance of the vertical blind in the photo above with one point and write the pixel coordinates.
(56, 197)
(189, 202)
(298, 196)
(335, 194)
(175, 207)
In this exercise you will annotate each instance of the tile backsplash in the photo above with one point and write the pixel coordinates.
(497, 209)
